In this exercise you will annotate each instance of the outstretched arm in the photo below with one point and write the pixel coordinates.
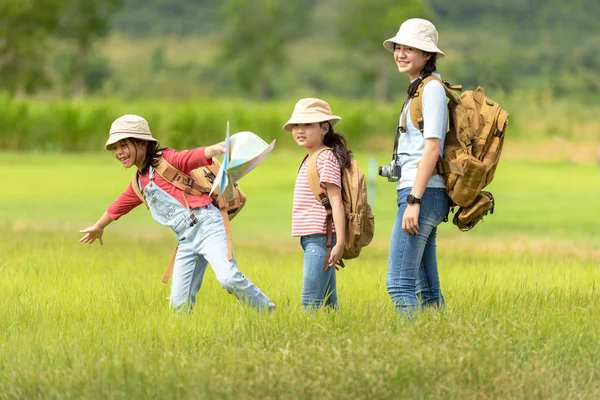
(188, 160)
(95, 231)
(214, 150)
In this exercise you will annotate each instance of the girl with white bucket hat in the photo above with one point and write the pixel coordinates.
(200, 231)
(422, 200)
(311, 125)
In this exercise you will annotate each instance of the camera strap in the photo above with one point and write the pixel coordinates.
(399, 131)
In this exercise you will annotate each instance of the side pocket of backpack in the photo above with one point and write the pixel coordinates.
(466, 179)
(494, 150)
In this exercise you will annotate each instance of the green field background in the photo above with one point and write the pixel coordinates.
(80, 321)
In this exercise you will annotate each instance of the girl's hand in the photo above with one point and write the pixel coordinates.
(410, 220)
(336, 254)
(214, 150)
(91, 234)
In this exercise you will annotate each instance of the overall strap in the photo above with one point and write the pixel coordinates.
(190, 186)
(182, 181)
(136, 186)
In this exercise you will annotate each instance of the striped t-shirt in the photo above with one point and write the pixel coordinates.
(308, 214)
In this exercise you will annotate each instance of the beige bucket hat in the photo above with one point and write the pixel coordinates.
(418, 33)
(311, 110)
(129, 126)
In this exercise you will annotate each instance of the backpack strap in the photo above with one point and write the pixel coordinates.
(312, 174)
(182, 181)
(314, 181)
(416, 113)
(179, 179)
(190, 186)
(416, 105)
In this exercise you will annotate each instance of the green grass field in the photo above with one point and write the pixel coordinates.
(80, 321)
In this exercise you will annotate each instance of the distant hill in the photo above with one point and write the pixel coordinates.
(543, 44)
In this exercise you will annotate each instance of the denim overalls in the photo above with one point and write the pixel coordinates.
(200, 243)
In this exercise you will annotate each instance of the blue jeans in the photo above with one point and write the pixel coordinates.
(412, 265)
(318, 286)
(199, 244)
(202, 244)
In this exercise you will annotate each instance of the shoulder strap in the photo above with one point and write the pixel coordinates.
(136, 188)
(416, 104)
(312, 175)
(179, 179)
(416, 112)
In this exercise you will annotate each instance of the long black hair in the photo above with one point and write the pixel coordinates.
(428, 69)
(153, 154)
(338, 145)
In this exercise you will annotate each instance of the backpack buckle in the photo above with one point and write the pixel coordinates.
(188, 181)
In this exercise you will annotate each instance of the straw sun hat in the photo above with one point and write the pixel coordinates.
(129, 126)
(311, 110)
(418, 33)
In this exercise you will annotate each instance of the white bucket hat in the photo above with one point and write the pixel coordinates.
(418, 33)
(311, 110)
(129, 126)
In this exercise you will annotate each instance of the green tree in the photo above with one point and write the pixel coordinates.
(255, 37)
(82, 23)
(25, 34)
(363, 26)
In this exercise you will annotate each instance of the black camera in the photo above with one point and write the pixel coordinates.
(391, 172)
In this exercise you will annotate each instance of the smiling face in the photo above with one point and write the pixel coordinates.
(130, 152)
(410, 60)
(310, 136)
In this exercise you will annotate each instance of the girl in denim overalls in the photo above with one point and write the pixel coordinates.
(422, 199)
(311, 125)
(202, 238)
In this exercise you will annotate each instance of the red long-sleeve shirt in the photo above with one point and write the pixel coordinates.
(185, 161)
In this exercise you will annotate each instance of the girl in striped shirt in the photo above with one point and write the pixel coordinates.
(311, 125)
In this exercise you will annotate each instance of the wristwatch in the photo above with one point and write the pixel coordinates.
(410, 199)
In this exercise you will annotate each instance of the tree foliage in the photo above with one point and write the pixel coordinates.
(82, 22)
(363, 24)
(27, 29)
(255, 39)
(24, 34)
(541, 45)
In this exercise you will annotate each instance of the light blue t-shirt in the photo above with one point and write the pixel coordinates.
(411, 144)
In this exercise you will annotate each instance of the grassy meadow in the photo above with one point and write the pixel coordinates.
(80, 321)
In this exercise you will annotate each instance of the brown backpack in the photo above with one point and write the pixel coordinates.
(199, 183)
(471, 151)
(360, 221)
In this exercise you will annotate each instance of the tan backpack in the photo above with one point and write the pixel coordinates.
(471, 151)
(199, 183)
(360, 221)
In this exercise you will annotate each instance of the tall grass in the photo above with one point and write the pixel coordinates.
(80, 321)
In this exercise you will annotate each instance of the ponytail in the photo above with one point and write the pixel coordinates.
(428, 69)
(337, 142)
(153, 155)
